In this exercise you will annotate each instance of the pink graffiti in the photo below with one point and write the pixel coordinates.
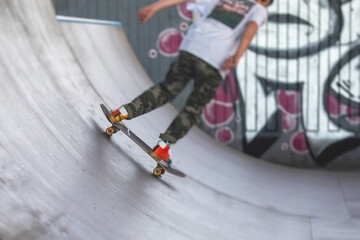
(216, 114)
(353, 116)
(184, 26)
(337, 109)
(284, 146)
(220, 110)
(227, 94)
(298, 142)
(153, 53)
(169, 42)
(183, 12)
(224, 135)
(289, 101)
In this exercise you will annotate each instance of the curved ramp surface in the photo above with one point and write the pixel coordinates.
(61, 177)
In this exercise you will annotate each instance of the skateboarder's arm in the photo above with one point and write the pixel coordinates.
(248, 35)
(147, 12)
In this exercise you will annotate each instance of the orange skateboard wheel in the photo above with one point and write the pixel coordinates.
(110, 131)
(158, 172)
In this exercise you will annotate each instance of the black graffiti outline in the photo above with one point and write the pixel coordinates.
(265, 138)
(341, 121)
(311, 49)
(338, 148)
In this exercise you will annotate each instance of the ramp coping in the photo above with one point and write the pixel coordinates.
(87, 20)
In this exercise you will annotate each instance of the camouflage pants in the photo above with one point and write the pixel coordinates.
(206, 78)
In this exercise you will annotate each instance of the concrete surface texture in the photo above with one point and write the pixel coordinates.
(61, 177)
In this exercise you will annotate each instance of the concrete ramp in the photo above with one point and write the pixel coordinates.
(61, 177)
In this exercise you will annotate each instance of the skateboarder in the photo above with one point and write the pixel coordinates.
(212, 46)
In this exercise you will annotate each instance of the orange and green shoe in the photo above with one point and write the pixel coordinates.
(161, 152)
(118, 115)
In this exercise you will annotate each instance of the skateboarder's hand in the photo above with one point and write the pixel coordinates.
(146, 13)
(230, 63)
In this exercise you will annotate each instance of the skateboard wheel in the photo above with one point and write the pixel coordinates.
(158, 172)
(110, 131)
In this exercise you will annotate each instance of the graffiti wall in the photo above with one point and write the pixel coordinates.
(294, 98)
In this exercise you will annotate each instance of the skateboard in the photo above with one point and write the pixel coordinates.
(116, 127)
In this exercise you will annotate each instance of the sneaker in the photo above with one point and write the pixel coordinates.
(118, 115)
(162, 153)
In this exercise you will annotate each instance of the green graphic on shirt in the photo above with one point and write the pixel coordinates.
(231, 12)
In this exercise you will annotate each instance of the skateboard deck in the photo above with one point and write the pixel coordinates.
(159, 169)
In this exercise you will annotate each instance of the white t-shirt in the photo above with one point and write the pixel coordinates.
(216, 36)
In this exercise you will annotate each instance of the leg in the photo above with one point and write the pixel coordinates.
(178, 76)
(207, 81)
